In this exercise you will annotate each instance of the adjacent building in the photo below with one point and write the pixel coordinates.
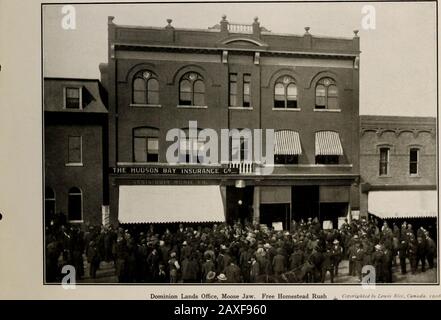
(398, 168)
(231, 76)
(75, 135)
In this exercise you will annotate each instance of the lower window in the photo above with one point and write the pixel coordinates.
(326, 159)
(286, 159)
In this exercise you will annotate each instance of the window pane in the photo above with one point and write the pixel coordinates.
(332, 91)
(139, 97)
(74, 207)
(72, 92)
(246, 78)
(233, 88)
(199, 86)
(152, 85)
(152, 157)
(292, 90)
(233, 101)
(279, 102)
(384, 154)
(413, 154)
(291, 104)
(74, 150)
(320, 91)
(332, 103)
(185, 99)
(152, 145)
(139, 84)
(413, 168)
(139, 149)
(279, 89)
(320, 102)
(233, 77)
(246, 88)
(292, 159)
(153, 97)
(185, 86)
(199, 99)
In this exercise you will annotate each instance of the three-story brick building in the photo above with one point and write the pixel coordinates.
(232, 76)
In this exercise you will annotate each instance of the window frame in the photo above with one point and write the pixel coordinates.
(146, 79)
(326, 96)
(417, 162)
(327, 158)
(248, 82)
(230, 82)
(146, 138)
(187, 77)
(286, 83)
(68, 162)
(387, 174)
(69, 194)
(80, 97)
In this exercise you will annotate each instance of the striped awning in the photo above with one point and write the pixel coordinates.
(287, 142)
(327, 143)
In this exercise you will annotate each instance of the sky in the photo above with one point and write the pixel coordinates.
(397, 63)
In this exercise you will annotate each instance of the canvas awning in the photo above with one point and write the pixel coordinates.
(287, 142)
(170, 204)
(327, 143)
(403, 204)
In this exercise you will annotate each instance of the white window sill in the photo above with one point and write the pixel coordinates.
(192, 107)
(287, 109)
(74, 165)
(414, 176)
(385, 176)
(327, 110)
(241, 108)
(141, 105)
(76, 221)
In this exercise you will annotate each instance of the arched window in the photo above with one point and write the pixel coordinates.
(326, 94)
(145, 88)
(75, 204)
(192, 90)
(285, 93)
(145, 145)
(191, 149)
(49, 202)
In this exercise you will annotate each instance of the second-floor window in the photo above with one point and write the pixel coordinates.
(326, 94)
(246, 91)
(192, 90)
(286, 159)
(384, 161)
(285, 93)
(145, 145)
(413, 161)
(233, 90)
(145, 88)
(74, 150)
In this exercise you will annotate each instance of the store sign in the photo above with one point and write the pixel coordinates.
(174, 170)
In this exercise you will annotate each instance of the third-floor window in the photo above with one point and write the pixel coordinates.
(285, 93)
(145, 88)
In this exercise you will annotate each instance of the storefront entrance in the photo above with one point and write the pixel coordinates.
(305, 202)
(275, 213)
(240, 204)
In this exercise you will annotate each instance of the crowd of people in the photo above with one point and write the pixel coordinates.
(223, 253)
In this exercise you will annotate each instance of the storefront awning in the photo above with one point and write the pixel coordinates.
(287, 142)
(170, 204)
(327, 143)
(403, 204)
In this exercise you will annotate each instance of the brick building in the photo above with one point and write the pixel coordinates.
(75, 135)
(398, 167)
(230, 76)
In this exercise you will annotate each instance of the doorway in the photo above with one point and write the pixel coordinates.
(240, 204)
(305, 202)
(275, 212)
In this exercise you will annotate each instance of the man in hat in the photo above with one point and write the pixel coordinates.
(378, 262)
(254, 269)
(233, 273)
(208, 266)
(210, 277)
(221, 278)
(279, 263)
(402, 255)
(336, 255)
(174, 267)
